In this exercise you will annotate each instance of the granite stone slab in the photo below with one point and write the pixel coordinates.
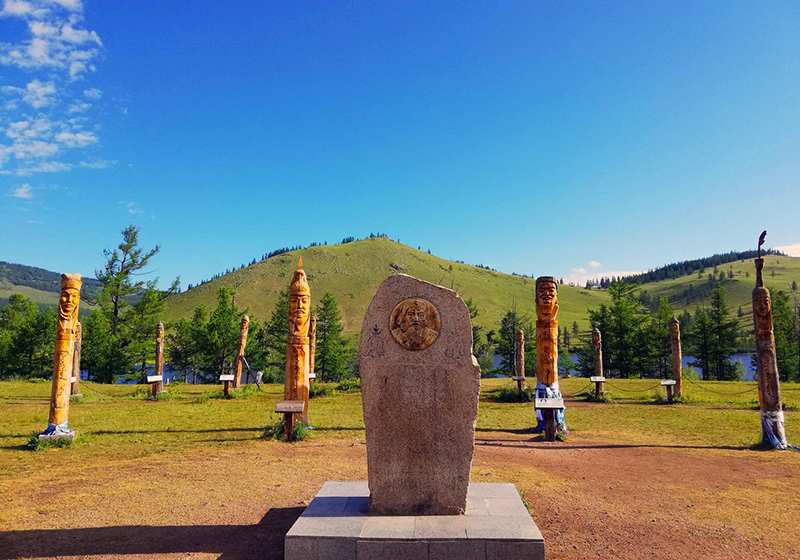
(336, 525)
(419, 386)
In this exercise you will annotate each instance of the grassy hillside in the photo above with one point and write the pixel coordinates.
(354, 271)
(40, 285)
(738, 290)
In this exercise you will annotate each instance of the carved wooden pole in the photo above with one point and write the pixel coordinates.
(677, 358)
(297, 354)
(58, 425)
(237, 368)
(76, 362)
(520, 359)
(551, 420)
(158, 386)
(312, 348)
(597, 346)
(769, 386)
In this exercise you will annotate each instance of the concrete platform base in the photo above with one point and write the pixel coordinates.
(335, 526)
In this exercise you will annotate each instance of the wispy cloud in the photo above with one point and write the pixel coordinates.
(93, 93)
(23, 191)
(46, 117)
(592, 271)
(98, 163)
(791, 250)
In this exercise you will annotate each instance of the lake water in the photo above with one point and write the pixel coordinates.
(169, 375)
(750, 372)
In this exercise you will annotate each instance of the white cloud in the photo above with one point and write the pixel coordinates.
(74, 5)
(76, 139)
(133, 208)
(791, 250)
(593, 271)
(99, 163)
(45, 117)
(44, 167)
(78, 107)
(23, 191)
(38, 94)
(17, 7)
(57, 37)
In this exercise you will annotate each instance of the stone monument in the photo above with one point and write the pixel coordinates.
(420, 385)
(597, 346)
(66, 325)
(237, 367)
(76, 362)
(296, 381)
(769, 386)
(547, 350)
(677, 358)
(423, 385)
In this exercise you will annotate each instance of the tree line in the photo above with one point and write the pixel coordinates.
(119, 332)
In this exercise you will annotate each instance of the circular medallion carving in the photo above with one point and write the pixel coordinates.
(415, 324)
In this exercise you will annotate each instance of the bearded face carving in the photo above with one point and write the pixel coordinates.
(415, 324)
(299, 308)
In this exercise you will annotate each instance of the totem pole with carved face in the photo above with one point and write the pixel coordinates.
(769, 387)
(67, 321)
(244, 327)
(297, 351)
(677, 357)
(547, 354)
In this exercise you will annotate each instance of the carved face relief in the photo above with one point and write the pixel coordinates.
(596, 337)
(761, 304)
(546, 300)
(68, 303)
(299, 314)
(415, 324)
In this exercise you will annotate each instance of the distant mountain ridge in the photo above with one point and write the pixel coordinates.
(40, 278)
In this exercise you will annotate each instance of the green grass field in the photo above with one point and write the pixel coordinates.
(354, 271)
(120, 420)
(192, 475)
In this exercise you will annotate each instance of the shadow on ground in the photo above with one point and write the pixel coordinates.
(558, 446)
(231, 542)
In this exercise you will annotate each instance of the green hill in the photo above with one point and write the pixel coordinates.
(40, 285)
(738, 289)
(354, 271)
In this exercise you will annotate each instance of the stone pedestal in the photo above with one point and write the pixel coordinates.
(336, 526)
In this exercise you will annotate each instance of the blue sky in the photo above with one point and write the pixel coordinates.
(563, 138)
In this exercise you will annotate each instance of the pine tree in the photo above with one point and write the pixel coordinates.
(332, 349)
(787, 338)
(700, 340)
(726, 332)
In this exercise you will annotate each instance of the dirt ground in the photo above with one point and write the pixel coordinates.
(589, 498)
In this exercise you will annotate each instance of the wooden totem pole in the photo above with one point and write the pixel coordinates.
(549, 420)
(769, 387)
(67, 321)
(297, 351)
(597, 346)
(158, 386)
(76, 362)
(520, 351)
(237, 367)
(312, 348)
(677, 358)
